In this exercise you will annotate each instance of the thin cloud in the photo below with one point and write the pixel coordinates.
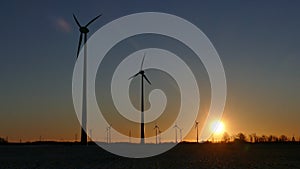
(62, 25)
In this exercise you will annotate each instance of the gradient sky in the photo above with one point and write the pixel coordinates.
(258, 43)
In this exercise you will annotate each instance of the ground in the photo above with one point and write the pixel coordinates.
(183, 156)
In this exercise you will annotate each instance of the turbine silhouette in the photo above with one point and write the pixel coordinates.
(177, 127)
(108, 134)
(196, 126)
(157, 131)
(83, 32)
(143, 76)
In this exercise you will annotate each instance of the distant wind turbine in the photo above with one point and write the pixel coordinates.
(196, 126)
(177, 127)
(143, 76)
(156, 128)
(108, 134)
(83, 32)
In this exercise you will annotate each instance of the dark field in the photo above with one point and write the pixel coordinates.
(285, 156)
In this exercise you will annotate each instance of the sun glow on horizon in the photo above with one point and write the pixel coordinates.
(218, 127)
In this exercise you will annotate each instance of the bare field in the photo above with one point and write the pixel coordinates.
(264, 156)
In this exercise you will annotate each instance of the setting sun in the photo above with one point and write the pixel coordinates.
(218, 127)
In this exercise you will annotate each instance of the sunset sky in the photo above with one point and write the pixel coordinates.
(258, 43)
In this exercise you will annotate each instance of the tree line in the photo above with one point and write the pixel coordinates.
(254, 138)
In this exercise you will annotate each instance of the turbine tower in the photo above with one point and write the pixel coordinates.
(143, 76)
(177, 127)
(108, 134)
(156, 128)
(196, 126)
(159, 136)
(83, 32)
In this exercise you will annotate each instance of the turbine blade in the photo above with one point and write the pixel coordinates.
(93, 20)
(143, 61)
(79, 44)
(147, 79)
(134, 76)
(76, 20)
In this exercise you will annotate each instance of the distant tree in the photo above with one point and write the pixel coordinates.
(272, 138)
(254, 137)
(2, 140)
(275, 139)
(240, 137)
(226, 137)
(283, 138)
(251, 138)
(293, 139)
(264, 138)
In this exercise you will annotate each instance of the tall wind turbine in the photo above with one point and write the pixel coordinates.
(143, 76)
(156, 128)
(83, 32)
(196, 126)
(177, 127)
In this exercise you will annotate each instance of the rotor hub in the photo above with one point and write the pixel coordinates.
(83, 29)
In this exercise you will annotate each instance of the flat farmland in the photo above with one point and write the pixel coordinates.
(264, 156)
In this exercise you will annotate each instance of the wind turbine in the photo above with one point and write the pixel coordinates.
(143, 76)
(176, 127)
(108, 134)
(83, 32)
(196, 126)
(156, 128)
